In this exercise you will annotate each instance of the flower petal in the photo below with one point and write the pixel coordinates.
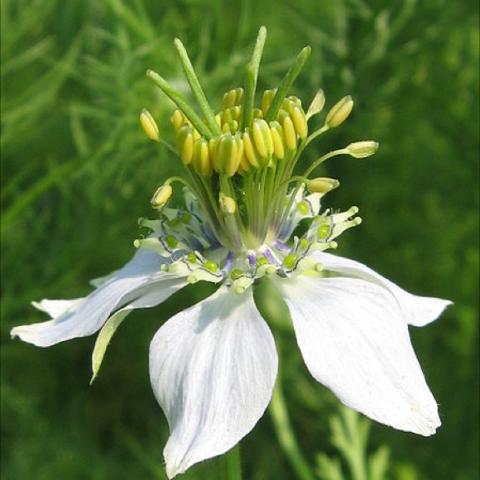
(212, 369)
(151, 297)
(419, 311)
(355, 341)
(88, 315)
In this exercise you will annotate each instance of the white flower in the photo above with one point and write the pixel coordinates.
(214, 365)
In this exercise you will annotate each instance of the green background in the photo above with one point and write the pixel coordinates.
(77, 172)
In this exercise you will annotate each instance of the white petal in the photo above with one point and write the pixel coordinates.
(55, 308)
(212, 369)
(89, 315)
(419, 311)
(151, 296)
(354, 341)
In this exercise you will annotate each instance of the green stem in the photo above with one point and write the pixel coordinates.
(286, 436)
(229, 465)
(287, 82)
(180, 102)
(196, 87)
(320, 160)
(251, 77)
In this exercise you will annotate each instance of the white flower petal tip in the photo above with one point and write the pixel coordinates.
(419, 311)
(85, 316)
(212, 369)
(355, 341)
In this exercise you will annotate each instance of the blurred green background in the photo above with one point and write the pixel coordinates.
(77, 172)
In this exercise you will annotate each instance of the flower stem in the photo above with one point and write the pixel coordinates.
(230, 465)
(286, 436)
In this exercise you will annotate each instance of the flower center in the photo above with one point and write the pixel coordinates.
(242, 199)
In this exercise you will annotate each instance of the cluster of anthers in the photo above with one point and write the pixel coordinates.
(243, 202)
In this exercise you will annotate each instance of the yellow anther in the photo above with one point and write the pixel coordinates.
(233, 126)
(244, 164)
(295, 100)
(177, 119)
(227, 115)
(287, 105)
(218, 119)
(196, 135)
(277, 138)
(339, 112)
(236, 111)
(288, 130)
(226, 128)
(322, 184)
(161, 196)
(317, 104)
(201, 158)
(226, 158)
(149, 125)
(185, 144)
(267, 99)
(250, 151)
(227, 204)
(232, 98)
(299, 121)
(257, 113)
(212, 147)
(229, 98)
(262, 138)
(362, 149)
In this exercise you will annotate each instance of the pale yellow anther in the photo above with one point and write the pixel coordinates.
(212, 147)
(295, 100)
(218, 119)
(177, 119)
(277, 138)
(267, 99)
(227, 157)
(161, 196)
(362, 149)
(244, 163)
(250, 152)
(317, 104)
(233, 126)
(187, 149)
(339, 112)
(257, 113)
(149, 125)
(262, 138)
(288, 130)
(201, 158)
(299, 122)
(227, 115)
(322, 184)
(196, 135)
(229, 99)
(236, 111)
(185, 143)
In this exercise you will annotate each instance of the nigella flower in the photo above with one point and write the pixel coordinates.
(213, 366)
